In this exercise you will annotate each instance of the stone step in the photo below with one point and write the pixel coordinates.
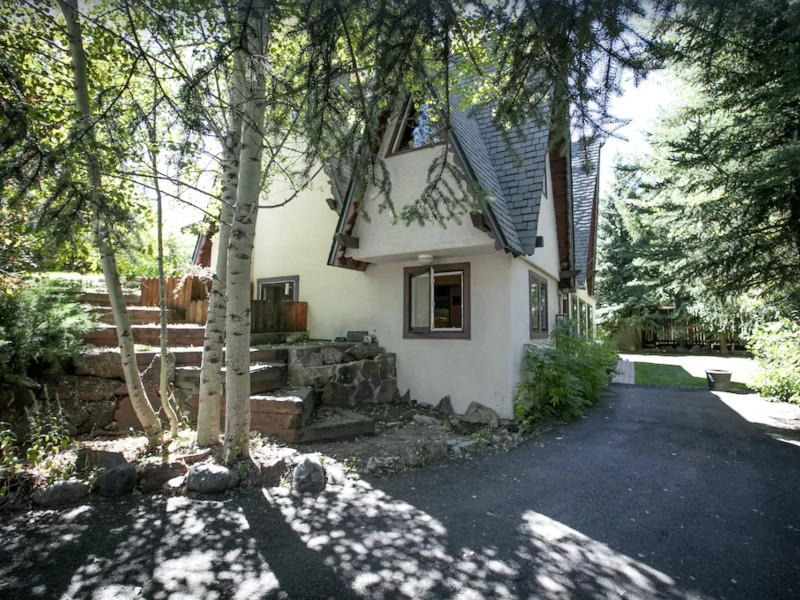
(101, 299)
(337, 424)
(193, 356)
(142, 315)
(148, 335)
(264, 377)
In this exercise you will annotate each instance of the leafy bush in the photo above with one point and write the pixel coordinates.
(776, 348)
(564, 378)
(40, 326)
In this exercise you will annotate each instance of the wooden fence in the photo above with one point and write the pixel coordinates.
(181, 291)
(191, 295)
(271, 317)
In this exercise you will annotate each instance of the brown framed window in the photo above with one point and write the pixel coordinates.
(538, 305)
(419, 127)
(279, 289)
(436, 302)
(582, 318)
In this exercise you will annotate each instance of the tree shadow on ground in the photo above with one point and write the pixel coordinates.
(654, 495)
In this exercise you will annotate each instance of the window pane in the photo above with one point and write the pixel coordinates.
(447, 301)
(543, 296)
(281, 291)
(535, 309)
(421, 127)
(582, 317)
(421, 301)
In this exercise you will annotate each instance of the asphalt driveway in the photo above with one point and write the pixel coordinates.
(659, 493)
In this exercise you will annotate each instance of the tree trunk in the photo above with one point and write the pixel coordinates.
(723, 343)
(163, 387)
(214, 337)
(133, 381)
(237, 376)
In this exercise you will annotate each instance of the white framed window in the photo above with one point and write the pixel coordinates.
(437, 302)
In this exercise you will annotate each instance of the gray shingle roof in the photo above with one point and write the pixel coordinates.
(585, 165)
(511, 168)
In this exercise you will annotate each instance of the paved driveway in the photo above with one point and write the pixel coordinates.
(661, 493)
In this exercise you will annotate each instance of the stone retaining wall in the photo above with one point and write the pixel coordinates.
(345, 374)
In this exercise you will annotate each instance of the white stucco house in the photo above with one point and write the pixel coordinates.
(457, 304)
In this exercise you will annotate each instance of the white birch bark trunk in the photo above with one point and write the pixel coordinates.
(144, 412)
(214, 337)
(237, 376)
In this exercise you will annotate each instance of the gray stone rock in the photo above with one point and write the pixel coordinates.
(357, 336)
(116, 481)
(445, 406)
(297, 337)
(331, 355)
(83, 416)
(371, 371)
(99, 363)
(88, 460)
(426, 420)
(60, 494)
(311, 376)
(307, 359)
(309, 475)
(406, 397)
(363, 393)
(153, 478)
(477, 413)
(152, 374)
(86, 389)
(340, 339)
(358, 352)
(387, 392)
(373, 338)
(374, 465)
(348, 374)
(210, 479)
(335, 394)
(387, 361)
(269, 472)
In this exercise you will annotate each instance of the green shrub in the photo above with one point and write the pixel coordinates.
(776, 348)
(40, 326)
(562, 379)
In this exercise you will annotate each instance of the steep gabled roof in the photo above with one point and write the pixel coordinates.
(585, 174)
(510, 166)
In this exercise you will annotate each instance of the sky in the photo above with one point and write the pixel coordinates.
(640, 105)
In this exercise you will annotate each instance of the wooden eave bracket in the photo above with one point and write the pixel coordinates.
(347, 241)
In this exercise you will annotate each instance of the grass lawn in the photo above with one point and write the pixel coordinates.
(664, 369)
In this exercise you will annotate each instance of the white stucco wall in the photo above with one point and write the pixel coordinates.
(295, 239)
(381, 240)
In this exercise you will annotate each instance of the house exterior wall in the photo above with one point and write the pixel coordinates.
(467, 370)
(381, 240)
(295, 239)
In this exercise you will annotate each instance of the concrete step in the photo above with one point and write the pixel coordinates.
(101, 299)
(264, 377)
(337, 424)
(142, 315)
(148, 335)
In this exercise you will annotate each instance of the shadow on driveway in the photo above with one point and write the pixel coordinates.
(660, 493)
